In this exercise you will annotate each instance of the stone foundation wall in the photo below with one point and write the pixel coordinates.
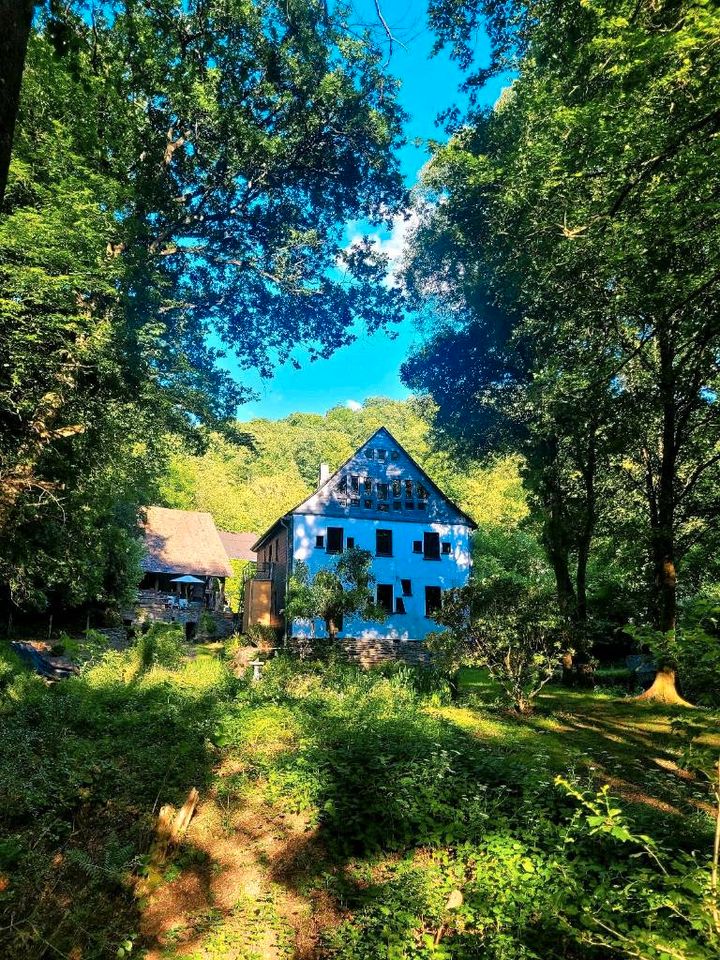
(370, 652)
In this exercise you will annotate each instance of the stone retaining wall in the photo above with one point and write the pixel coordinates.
(370, 652)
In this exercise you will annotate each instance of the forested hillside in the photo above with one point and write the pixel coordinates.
(247, 486)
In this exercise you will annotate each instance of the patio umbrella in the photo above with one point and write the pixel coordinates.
(187, 578)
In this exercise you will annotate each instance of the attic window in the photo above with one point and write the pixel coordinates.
(355, 501)
(421, 505)
(382, 454)
(367, 504)
(394, 455)
(382, 491)
(397, 488)
(342, 486)
(383, 507)
(367, 485)
(422, 492)
(354, 483)
(408, 489)
(397, 505)
(409, 505)
(370, 453)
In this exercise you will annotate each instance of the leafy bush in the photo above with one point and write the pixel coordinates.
(10, 665)
(163, 645)
(262, 635)
(206, 624)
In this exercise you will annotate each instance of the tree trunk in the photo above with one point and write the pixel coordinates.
(664, 689)
(662, 516)
(664, 532)
(588, 469)
(15, 22)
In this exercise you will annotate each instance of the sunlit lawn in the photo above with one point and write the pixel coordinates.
(608, 738)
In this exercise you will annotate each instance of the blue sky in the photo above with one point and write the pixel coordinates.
(371, 365)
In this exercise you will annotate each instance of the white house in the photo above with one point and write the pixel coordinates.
(382, 501)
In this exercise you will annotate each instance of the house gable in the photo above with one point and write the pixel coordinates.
(382, 481)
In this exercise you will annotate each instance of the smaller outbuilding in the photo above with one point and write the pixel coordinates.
(180, 543)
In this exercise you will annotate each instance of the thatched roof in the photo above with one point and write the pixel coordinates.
(183, 541)
(238, 546)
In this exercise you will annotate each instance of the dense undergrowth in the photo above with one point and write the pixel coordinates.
(435, 842)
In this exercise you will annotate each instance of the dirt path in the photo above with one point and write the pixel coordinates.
(238, 889)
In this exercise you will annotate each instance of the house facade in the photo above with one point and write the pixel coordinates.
(382, 501)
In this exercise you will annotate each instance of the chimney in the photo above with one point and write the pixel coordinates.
(324, 475)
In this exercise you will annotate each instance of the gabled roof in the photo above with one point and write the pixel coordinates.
(183, 541)
(324, 502)
(238, 546)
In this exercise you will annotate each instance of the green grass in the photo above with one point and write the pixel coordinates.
(340, 810)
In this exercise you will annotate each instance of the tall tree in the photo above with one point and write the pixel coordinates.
(590, 195)
(181, 180)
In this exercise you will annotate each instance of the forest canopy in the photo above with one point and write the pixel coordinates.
(180, 171)
(247, 487)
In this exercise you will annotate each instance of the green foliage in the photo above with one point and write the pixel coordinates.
(163, 645)
(235, 585)
(693, 649)
(246, 487)
(435, 839)
(180, 170)
(502, 619)
(262, 635)
(559, 246)
(81, 764)
(343, 590)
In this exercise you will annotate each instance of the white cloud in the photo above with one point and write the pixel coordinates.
(353, 405)
(393, 244)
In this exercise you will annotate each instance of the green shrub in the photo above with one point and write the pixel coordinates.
(262, 635)
(206, 624)
(163, 645)
(10, 665)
